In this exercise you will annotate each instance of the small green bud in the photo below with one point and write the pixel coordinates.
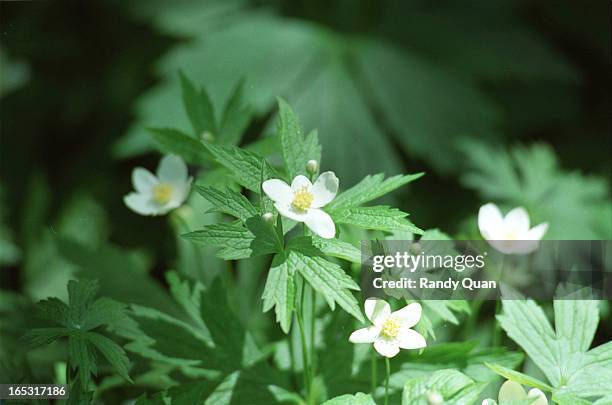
(268, 217)
(207, 136)
(415, 248)
(434, 398)
(312, 166)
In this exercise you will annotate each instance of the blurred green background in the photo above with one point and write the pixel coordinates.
(452, 89)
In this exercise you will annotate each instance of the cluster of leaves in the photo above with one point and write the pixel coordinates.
(576, 374)
(82, 321)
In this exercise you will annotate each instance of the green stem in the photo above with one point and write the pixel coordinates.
(300, 319)
(388, 366)
(374, 371)
(313, 318)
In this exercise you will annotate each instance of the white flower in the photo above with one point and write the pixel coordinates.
(157, 195)
(510, 234)
(302, 201)
(390, 332)
(513, 391)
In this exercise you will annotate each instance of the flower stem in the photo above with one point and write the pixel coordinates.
(300, 319)
(388, 366)
(374, 371)
(313, 318)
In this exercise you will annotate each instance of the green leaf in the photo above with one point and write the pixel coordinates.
(567, 399)
(198, 106)
(80, 296)
(370, 188)
(297, 149)
(268, 238)
(229, 202)
(519, 377)
(279, 292)
(235, 118)
(113, 353)
(380, 217)
(103, 311)
(455, 387)
(576, 321)
(348, 399)
(246, 167)
(43, 336)
(337, 248)
(173, 141)
(54, 310)
(233, 239)
(81, 357)
(328, 279)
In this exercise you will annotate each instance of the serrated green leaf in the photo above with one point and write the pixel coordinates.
(187, 293)
(229, 202)
(42, 336)
(455, 387)
(577, 322)
(54, 310)
(198, 107)
(297, 149)
(235, 119)
(81, 357)
(370, 188)
(328, 279)
(337, 248)
(233, 239)
(80, 295)
(267, 240)
(519, 377)
(173, 141)
(279, 292)
(103, 311)
(245, 167)
(112, 352)
(348, 399)
(379, 217)
(567, 399)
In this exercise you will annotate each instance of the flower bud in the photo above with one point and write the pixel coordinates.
(312, 166)
(415, 248)
(434, 398)
(207, 137)
(268, 217)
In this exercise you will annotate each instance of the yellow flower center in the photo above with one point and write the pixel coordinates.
(162, 193)
(302, 199)
(390, 328)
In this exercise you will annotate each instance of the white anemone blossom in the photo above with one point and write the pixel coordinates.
(510, 234)
(161, 193)
(512, 391)
(390, 331)
(302, 201)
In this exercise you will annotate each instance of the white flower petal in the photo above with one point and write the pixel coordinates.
(143, 180)
(490, 221)
(325, 189)
(386, 348)
(537, 393)
(409, 315)
(410, 339)
(537, 232)
(511, 391)
(488, 401)
(299, 182)
(172, 170)
(377, 311)
(320, 223)
(278, 191)
(517, 220)
(365, 335)
(290, 212)
(142, 204)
